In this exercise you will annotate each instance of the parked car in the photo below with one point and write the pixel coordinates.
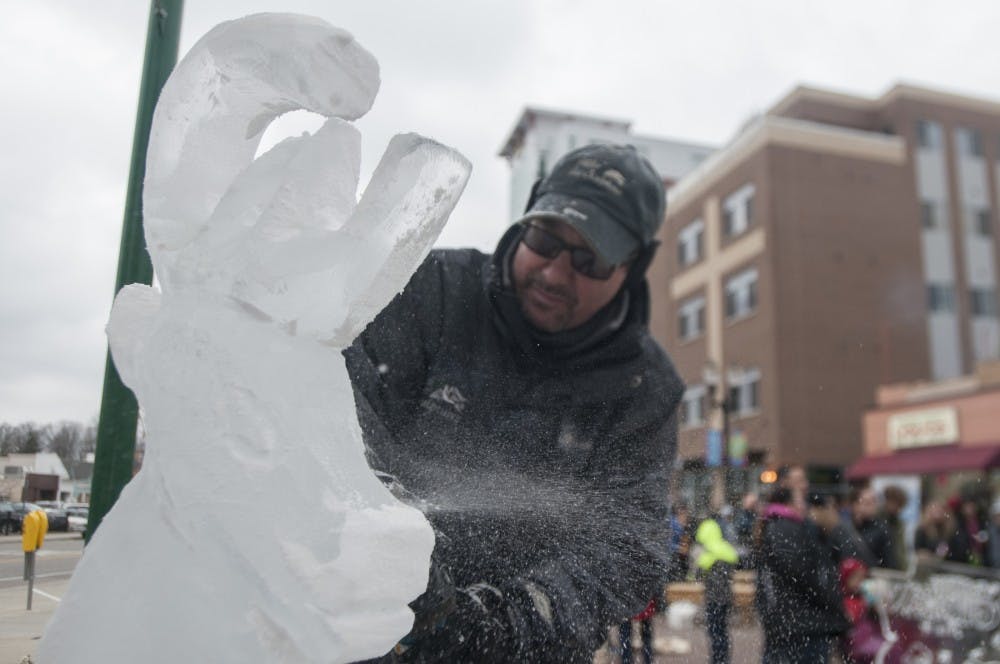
(77, 516)
(58, 519)
(10, 521)
(21, 510)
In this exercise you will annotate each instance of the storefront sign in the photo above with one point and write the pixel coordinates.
(919, 428)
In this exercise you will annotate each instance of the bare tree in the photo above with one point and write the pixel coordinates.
(89, 443)
(26, 438)
(72, 441)
(66, 439)
(8, 438)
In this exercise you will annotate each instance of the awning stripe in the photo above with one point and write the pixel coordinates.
(928, 460)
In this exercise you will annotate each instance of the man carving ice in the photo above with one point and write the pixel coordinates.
(520, 401)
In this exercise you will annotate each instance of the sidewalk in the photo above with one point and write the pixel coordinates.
(20, 629)
(689, 645)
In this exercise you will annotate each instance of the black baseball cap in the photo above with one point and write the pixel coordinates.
(611, 194)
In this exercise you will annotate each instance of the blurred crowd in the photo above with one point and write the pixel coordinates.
(811, 554)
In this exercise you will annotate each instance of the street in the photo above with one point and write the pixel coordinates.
(56, 559)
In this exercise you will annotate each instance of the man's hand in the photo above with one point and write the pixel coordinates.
(433, 608)
(482, 624)
(468, 624)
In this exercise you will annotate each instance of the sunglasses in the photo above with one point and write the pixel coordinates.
(584, 261)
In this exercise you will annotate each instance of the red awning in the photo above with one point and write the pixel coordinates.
(927, 461)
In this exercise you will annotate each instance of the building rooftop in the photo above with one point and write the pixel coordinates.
(45, 463)
(532, 114)
(986, 377)
(896, 91)
(773, 129)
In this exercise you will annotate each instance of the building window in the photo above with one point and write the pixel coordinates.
(693, 409)
(931, 215)
(744, 392)
(929, 135)
(690, 242)
(691, 318)
(983, 302)
(969, 142)
(741, 294)
(983, 222)
(940, 298)
(737, 210)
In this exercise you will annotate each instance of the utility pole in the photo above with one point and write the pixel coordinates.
(119, 414)
(717, 385)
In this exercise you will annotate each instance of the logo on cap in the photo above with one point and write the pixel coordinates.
(614, 176)
(573, 212)
(609, 179)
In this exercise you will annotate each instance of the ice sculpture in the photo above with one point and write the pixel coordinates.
(255, 531)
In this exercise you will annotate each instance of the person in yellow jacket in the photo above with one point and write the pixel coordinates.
(716, 560)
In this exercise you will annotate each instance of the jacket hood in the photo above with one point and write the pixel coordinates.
(716, 548)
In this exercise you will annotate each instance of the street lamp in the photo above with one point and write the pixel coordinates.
(714, 384)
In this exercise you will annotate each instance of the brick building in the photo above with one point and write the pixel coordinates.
(837, 244)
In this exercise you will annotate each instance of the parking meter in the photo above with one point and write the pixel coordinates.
(33, 530)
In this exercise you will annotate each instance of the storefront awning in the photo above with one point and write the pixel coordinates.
(928, 460)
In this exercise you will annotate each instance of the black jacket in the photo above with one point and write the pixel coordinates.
(542, 463)
(848, 543)
(718, 584)
(797, 582)
(875, 534)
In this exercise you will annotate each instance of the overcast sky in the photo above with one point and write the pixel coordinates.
(459, 71)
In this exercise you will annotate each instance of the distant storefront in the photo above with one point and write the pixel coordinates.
(943, 435)
(40, 486)
(935, 441)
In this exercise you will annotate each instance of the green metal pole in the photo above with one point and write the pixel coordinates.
(116, 426)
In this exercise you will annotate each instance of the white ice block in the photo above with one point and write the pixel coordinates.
(255, 531)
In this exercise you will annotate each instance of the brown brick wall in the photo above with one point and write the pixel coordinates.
(841, 301)
(852, 300)
(841, 291)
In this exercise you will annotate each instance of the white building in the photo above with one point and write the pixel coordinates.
(540, 137)
(17, 467)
